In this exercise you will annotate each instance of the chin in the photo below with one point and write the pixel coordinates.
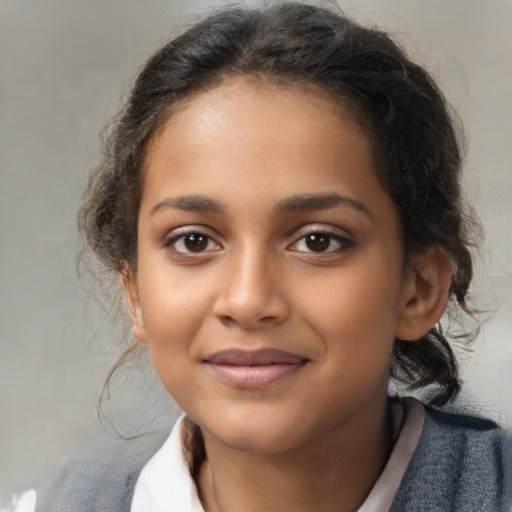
(257, 435)
(254, 443)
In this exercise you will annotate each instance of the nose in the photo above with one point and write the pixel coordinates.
(252, 295)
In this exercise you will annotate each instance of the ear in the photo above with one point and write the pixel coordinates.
(131, 295)
(425, 295)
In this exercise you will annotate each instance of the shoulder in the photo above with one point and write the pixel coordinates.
(453, 432)
(102, 478)
(460, 463)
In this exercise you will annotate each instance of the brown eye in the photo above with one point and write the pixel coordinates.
(322, 243)
(195, 242)
(317, 242)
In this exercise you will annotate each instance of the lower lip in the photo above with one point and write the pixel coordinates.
(254, 376)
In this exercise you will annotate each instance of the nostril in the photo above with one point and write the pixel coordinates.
(227, 320)
(247, 323)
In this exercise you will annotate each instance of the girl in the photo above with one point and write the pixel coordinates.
(280, 198)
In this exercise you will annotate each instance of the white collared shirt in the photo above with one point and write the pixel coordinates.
(166, 485)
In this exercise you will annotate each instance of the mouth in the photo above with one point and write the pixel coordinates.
(254, 369)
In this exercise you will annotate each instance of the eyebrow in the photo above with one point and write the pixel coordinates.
(191, 203)
(311, 202)
(295, 203)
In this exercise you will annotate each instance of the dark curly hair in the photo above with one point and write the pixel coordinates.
(416, 139)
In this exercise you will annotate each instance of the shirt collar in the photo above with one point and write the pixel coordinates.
(166, 483)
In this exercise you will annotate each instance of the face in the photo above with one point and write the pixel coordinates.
(270, 278)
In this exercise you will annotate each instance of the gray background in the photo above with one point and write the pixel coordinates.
(63, 68)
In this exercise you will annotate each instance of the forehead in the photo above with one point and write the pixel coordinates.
(250, 147)
(253, 119)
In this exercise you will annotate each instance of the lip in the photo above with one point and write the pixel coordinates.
(254, 369)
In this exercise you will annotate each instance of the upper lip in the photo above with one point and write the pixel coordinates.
(260, 357)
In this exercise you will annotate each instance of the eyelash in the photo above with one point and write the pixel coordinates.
(314, 234)
(180, 238)
(317, 234)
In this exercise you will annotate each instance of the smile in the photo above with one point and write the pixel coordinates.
(253, 370)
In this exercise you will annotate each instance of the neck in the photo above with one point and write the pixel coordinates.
(333, 473)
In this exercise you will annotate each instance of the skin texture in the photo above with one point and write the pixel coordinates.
(226, 261)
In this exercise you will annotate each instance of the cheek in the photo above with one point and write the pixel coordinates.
(365, 302)
(173, 312)
(174, 300)
(356, 316)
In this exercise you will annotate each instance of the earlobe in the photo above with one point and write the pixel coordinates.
(426, 292)
(131, 294)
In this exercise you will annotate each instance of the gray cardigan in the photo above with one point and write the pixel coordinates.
(461, 464)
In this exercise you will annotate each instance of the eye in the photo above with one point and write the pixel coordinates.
(318, 242)
(192, 242)
(322, 242)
